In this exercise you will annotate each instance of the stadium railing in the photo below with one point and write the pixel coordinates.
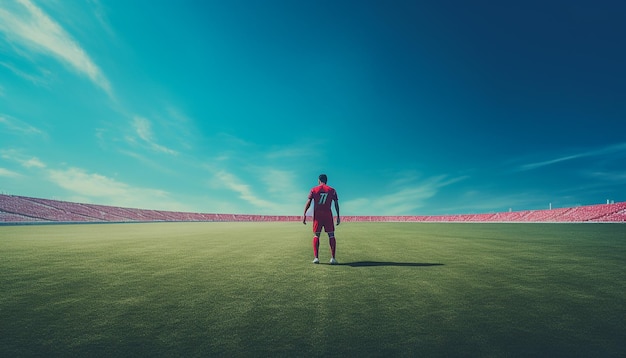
(26, 209)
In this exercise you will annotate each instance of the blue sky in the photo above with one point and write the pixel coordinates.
(410, 107)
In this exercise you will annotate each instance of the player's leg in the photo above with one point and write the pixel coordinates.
(329, 227)
(316, 247)
(333, 246)
(316, 241)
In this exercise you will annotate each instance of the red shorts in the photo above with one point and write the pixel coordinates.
(325, 222)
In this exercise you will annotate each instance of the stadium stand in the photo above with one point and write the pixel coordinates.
(21, 209)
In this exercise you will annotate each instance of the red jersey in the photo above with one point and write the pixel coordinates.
(323, 196)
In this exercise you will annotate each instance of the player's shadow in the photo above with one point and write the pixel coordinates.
(387, 263)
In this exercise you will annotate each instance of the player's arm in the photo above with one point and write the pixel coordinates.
(306, 208)
(337, 211)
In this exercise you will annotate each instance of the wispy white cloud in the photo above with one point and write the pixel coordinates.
(177, 115)
(181, 127)
(265, 177)
(25, 160)
(232, 182)
(84, 183)
(14, 125)
(33, 163)
(85, 186)
(404, 195)
(41, 81)
(606, 150)
(9, 173)
(277, 181)
(303, 150)
(262, 190)
(238, 149)
(143, 129)
(531, 166)
(231, 141)
(27, 25)
(618, 176)
(100, 13)
(284, 187)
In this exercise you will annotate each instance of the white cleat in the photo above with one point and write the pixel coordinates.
(333, 261)
(316, 260)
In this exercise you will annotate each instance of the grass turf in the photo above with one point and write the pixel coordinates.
(249, 289)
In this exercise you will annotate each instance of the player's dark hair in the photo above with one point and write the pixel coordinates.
(323, 178)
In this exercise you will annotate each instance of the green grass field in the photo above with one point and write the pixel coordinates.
(250, 289)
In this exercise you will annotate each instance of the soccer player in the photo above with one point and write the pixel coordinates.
(322, 196)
